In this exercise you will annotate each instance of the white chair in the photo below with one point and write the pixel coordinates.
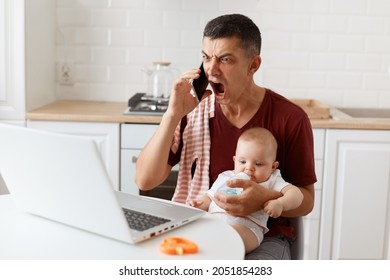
(298, 246)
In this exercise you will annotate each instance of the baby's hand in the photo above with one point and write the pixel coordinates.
(195, 203)
(273, 208)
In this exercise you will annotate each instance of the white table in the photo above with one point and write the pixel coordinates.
(25, 236)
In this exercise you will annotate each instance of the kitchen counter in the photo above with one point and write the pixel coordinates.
(341, 121)
(96, 111)
(88, 111)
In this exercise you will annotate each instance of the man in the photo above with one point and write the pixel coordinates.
(203, 136)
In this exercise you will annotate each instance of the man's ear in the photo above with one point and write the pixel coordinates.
(255, 64)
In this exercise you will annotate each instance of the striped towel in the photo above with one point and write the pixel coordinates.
(196, 148)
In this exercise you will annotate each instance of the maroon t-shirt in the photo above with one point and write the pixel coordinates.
(291, 128)
(289, 124)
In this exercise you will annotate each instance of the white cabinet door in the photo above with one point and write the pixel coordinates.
(355, 205)
(106, 135)
(12, 60)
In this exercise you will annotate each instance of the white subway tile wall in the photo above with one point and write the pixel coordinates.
(336, 51)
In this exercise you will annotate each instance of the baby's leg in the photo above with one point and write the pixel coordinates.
(251, 241)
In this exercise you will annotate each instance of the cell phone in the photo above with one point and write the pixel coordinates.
(199, 85)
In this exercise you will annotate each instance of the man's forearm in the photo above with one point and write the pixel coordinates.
(152, 165)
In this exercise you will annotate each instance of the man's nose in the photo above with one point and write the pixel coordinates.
(213, 67)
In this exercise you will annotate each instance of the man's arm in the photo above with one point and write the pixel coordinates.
(254, 197)
(152, 166)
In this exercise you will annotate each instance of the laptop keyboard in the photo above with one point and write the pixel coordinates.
(141, 221)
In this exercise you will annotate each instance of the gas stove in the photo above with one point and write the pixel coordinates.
(142, 104)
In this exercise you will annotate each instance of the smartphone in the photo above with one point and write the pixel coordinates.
(199, 85)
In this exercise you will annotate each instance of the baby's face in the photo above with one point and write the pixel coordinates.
(254, 160)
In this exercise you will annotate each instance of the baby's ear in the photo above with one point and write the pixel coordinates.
(234, 158)
(275, 165)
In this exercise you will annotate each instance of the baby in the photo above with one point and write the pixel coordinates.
(255, 159)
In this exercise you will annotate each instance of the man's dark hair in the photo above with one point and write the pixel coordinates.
(235, 25)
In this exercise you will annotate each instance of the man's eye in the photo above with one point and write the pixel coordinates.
(225, 59)
(206, 58)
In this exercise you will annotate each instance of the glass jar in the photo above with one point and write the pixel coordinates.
(161, 78)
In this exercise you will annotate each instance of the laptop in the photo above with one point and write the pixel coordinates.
(62, 178)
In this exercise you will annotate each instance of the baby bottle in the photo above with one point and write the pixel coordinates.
(226, 190)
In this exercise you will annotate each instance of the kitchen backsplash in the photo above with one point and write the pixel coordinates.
(331, 50)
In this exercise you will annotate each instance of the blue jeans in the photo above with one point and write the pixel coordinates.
(271, 248)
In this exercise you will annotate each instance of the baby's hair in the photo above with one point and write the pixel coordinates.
(262, 136)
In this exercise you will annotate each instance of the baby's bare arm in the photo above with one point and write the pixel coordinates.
(203, 203)
(291, 199)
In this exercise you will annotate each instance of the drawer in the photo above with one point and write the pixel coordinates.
(128, 158)
(135, 136)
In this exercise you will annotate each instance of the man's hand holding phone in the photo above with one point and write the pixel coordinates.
(181, 101)
(200, 84)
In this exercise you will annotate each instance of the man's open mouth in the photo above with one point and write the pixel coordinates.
(218, 88)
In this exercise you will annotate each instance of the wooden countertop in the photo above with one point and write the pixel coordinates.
(96, 111)
(88, 111)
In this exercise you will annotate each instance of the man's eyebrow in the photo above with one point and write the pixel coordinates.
(205, 54)
(219, 57)
(225, 55)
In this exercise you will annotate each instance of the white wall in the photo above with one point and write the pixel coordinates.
(337, 51)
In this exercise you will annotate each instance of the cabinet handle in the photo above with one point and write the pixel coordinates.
(134, 159)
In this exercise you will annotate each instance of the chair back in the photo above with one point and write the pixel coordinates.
(298, 246)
